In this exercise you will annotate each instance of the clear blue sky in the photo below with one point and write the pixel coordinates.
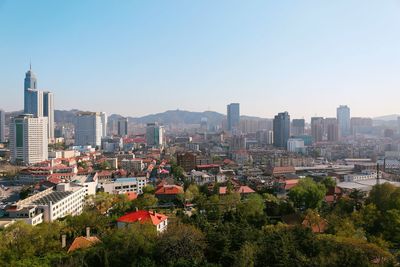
(140, 57)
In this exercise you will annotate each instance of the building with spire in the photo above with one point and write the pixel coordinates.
(38, 103)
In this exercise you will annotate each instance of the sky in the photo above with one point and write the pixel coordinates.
(141, 57)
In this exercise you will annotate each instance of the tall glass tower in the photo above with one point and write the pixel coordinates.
(233, 116)
(30, 82)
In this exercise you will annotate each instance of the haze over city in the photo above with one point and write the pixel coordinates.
(136, 58)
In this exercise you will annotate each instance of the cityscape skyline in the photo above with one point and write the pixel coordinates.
(242, 53)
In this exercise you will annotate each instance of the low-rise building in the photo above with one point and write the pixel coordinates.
(123, 185)
(159, 221)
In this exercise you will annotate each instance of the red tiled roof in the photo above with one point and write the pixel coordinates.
(131, 195)
(169, 190)
(289, 184)
(83, 242)
(282, 170)
(244, 189)
(143, 216)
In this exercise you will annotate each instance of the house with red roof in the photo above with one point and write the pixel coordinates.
(242, 190)
(158, 220)
(168, 192)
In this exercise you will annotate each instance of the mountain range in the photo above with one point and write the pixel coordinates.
(169, 117)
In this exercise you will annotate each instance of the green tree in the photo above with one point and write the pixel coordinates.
(181, 243)
(145, 201)
(307, 194)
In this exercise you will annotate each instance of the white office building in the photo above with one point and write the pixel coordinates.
(103, 116)
(296, 145)
(50, 204)
(48, 111)
(28, 139)
(88, 129)
(123, 185)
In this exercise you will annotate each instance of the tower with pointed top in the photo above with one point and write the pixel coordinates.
(37, 102)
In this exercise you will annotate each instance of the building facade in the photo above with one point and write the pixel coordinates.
(343, 118)
(233, 116)
(28, 139)
(88, 129)
(281, 129)
(155, 135)
(123, 126)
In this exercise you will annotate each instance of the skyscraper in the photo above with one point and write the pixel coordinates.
(28, 139)
(343, 117)
(30, 82)
(38, 103)
(281, 129)
(233, 116)
(317, 129)
(2, 125)
(154, 135)
(88, 129)
(332, 129)
(123, 126)
(48, 111)
(104, 124)
(298, 126)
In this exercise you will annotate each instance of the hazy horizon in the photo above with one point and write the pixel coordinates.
(139, 58)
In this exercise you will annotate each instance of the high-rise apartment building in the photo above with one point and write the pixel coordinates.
(28, 139)
(317, 129)
(233, 116)
(281, 129)
(343, 117)
(38, 103)
(88, 129)
(103, 116)
(332, 129)
(123, 127)
(2, 125)
(155, 135)
(297, 128)
(48, 111)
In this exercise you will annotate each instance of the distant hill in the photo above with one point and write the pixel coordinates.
(167, 117)
(392, 117)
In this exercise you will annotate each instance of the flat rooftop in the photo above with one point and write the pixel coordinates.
(54, 197)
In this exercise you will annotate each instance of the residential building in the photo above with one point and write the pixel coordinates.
(158, 220)
(48, 111)
(296, 145)
(233, 117)
(103, 116)
(298, 126)
(2, 126)
(317, 129)
(88, 129)
(123, 127)
(28, 139)
(332, 129)
(168, 192)
(281, 125)
(343, 117)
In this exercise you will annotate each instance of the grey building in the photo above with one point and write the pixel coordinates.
(123, 127)
(281, 129)
(298, 126)
(38, 103)
(343, 118)
(233, 116)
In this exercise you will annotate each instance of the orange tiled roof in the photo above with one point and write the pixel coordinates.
(83, 242)
(169, 190)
